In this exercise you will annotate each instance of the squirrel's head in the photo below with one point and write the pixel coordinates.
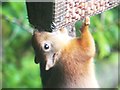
(48, 46)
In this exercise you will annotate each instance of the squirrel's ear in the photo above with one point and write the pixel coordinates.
(64, 30)
(36, 60)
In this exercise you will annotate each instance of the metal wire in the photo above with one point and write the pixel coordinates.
(67, 12)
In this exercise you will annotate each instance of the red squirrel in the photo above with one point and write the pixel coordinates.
(66, 62)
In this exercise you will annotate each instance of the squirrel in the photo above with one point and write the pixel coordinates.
(66, 62)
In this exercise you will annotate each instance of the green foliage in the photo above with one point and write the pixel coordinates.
(19, 69)
(106, 33)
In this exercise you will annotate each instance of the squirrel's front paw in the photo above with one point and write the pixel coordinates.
(87, 21)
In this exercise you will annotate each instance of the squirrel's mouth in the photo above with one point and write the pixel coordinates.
(51, 61)
(54, 57)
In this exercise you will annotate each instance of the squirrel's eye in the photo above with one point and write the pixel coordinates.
(46, 46)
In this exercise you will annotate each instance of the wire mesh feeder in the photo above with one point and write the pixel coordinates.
(51, 16)
(67, 12)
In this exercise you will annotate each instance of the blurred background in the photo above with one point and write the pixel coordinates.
(18, 67)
